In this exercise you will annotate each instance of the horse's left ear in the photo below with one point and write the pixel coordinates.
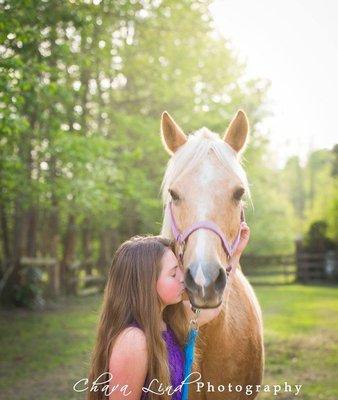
(237, 132)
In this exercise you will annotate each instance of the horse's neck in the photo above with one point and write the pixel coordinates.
(240, 308)
(233, 302)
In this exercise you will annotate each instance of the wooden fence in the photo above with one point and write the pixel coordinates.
(260, 270)
(75, 280)
(302, 267)
(269, 269)
(317, 267)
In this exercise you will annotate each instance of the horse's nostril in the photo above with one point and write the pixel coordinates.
(189, 280)
(220, 280)
(188, 276)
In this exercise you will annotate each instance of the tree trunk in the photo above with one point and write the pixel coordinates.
(43, 241)
(87, 246)
(19, 226)
(14, 279)
(69, 248)
(53, 233)
(32, 223)
(4, 234)
(108, 244)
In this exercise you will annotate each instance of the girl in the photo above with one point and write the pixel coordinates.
(144, 322)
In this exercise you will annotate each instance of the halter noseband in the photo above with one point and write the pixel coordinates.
(182, 237)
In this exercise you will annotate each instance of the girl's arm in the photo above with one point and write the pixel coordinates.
(128, 364)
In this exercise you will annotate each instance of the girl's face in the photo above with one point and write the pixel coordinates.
(170, 283)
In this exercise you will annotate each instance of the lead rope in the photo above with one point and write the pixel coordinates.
(189, 351)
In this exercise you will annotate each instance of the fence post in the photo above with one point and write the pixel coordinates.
(299, 248)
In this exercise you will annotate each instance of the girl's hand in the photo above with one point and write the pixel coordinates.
(244, 239)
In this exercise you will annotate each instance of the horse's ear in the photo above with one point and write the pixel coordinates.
(237, 132)
(172, 135)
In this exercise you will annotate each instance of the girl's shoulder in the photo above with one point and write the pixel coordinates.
(129, 345)
(131, 336)
(128, 361)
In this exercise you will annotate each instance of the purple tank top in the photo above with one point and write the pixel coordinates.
(175, 361)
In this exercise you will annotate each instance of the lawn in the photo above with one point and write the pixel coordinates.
(301, 339)
(44, 353)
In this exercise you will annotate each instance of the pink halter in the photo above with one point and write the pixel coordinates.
(182, 237)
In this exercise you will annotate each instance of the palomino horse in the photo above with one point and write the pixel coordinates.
(204, 180)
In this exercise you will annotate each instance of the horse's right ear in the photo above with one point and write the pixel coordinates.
(172, 135)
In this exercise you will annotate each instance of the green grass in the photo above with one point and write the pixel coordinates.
(301, 339)
(43, 354)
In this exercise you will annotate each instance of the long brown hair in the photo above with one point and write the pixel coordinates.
(130, 295)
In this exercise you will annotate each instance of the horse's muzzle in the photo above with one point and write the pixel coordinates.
(205, 283)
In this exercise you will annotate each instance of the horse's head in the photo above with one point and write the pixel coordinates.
(205, 181)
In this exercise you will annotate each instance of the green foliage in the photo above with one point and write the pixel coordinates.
(82, 88)
(316, 239)
(312, 191)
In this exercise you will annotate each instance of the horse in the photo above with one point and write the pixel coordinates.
(205, 180)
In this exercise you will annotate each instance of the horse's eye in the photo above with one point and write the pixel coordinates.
(174, 195)
(238, 193)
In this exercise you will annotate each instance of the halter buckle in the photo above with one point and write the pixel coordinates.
(193, 321)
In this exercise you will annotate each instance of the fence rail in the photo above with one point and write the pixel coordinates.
(75, 280)
(303, 267)
(83, 278)
(317, 267)
(269, 269)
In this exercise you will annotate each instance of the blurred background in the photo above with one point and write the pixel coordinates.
(83, 85)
